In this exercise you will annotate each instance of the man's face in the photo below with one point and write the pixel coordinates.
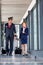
(10, 21)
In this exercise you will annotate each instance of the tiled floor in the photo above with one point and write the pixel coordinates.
(21, 64)
(20, 60)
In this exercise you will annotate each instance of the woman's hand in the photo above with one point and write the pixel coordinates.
(14, 37)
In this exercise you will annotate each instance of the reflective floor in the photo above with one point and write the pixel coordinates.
(21, 64)
(20, 60)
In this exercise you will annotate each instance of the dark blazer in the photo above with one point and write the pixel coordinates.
(10, 31)
(23, 36)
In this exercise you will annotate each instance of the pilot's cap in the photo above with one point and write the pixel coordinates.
(10, 18)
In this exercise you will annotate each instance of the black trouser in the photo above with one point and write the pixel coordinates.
(11, 44)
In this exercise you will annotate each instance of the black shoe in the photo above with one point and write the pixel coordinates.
(10, 54)
(26, 54)
(7, 54)
(23, 55)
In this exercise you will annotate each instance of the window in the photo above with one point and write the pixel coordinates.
(35, 27)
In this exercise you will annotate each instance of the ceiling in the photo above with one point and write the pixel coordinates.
(15, 8)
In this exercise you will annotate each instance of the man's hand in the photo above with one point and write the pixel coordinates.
(15, 36)
(4, 34)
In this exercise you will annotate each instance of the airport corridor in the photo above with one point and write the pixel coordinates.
(31, 13)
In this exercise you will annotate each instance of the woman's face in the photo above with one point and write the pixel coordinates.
(24, 25)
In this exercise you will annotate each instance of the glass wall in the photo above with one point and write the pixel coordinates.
(32, 24)
(35, 28)
(38, 16)
(28, 25)
(31, 31)
(0, 23)
(40, 23)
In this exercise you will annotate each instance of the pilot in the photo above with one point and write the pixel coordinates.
(9, 33)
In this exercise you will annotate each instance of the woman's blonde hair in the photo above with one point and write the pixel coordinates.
(25, 23)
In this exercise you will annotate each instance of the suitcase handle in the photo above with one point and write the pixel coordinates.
(17, 39)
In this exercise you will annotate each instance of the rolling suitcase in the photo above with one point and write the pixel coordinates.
(3, 49)
(18, 50)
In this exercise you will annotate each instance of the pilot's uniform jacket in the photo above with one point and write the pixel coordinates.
(9, 33)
